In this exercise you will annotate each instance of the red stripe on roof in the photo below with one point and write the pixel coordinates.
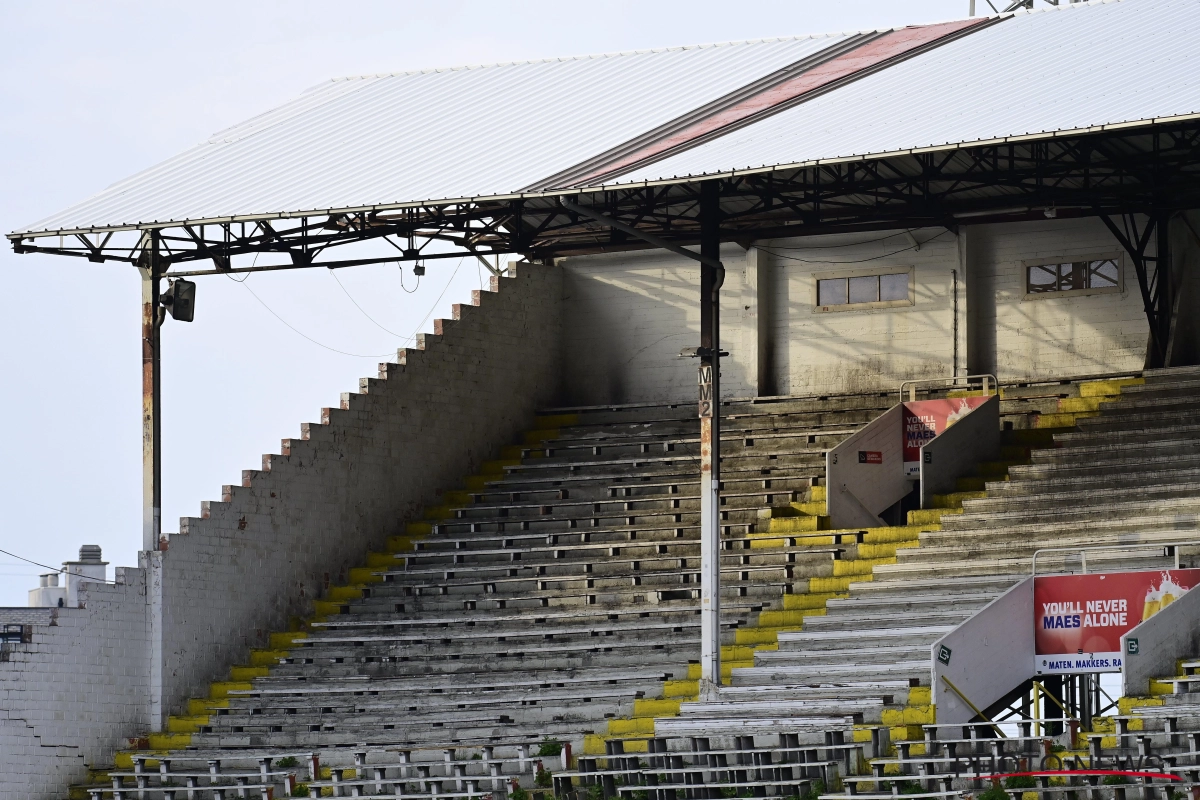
(891, 45)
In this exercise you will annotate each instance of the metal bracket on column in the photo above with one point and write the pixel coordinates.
(649, 238)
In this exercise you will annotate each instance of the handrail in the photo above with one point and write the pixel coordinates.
(953, 381)
(1059, 703)
(1169, 549)
(974, 707)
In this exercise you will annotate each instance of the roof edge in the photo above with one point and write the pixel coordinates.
(566, 192)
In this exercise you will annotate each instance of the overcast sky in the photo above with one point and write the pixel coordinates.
(92, 92)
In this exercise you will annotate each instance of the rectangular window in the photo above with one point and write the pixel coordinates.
(831, 292)
(1102, 274)
(863, 290)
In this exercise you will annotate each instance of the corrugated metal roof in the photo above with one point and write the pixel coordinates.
(1058, 69)
(827, 70)
(488, 131)
(431, 135)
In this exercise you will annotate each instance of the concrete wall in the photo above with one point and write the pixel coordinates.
(1049, 337)
(629, 315)
(990, 655)
(864, 349)
(958, 449)
(70, 697)
(857, 491)
(1171, 634)
(275, 543)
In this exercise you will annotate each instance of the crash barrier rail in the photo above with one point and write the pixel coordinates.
(1168, 549)
(987, 381)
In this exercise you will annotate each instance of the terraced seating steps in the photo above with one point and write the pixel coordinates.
(553, 596)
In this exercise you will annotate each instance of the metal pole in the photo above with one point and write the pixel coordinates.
(151, 398)
(712, 275)
(710, 440)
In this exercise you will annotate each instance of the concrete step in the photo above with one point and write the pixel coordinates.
(917, 670)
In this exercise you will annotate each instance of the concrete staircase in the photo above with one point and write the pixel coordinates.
(554, 599)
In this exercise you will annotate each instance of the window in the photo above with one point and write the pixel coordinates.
(871, 290)
(1095, 275)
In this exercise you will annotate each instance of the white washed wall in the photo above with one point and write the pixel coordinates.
(1049, 337)
(69, 698)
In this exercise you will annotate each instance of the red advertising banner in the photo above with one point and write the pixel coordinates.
(925, 419)
(1080, 618)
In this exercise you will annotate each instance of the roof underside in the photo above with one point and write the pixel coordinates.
(671, 116)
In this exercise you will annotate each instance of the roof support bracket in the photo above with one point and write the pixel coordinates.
(649, 238)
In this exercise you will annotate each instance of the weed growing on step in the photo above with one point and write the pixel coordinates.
(301, 790)
(1020, 782)
(542, 779)
(1115, 780)
(550, 747)
(814, 790)
(518, 794)
(286, 762)
(595, 792)
(994, 793)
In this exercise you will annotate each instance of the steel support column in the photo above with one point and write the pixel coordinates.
(712, 275)
(151, 270)
(1155, 286)
(711, 279)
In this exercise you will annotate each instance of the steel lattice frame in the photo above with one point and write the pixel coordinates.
(1151, 170)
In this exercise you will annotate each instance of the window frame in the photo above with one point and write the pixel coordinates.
(1111, 255)
(909, 270)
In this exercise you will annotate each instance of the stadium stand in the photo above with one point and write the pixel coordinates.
(548, 609)
(535, 629)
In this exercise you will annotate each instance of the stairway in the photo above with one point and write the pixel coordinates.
(554, 598)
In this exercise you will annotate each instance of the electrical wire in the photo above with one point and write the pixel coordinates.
(306, 336)
(844, 244)
(55, 569)
(358, 355)
(439, 297)
(402, 286)
(855, 261)
(364, 313)
(253, 264)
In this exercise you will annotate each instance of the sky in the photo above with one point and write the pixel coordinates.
(93, 92)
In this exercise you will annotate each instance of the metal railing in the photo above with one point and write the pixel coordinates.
(1168, 549)
(986, 380)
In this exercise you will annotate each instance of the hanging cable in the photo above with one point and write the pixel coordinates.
(439, 297)
(402, 286)
(253, 264)
(844, 244)
(364, 313)
(410, 338)
(854, 261)
(57, 569)
(306, 336)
